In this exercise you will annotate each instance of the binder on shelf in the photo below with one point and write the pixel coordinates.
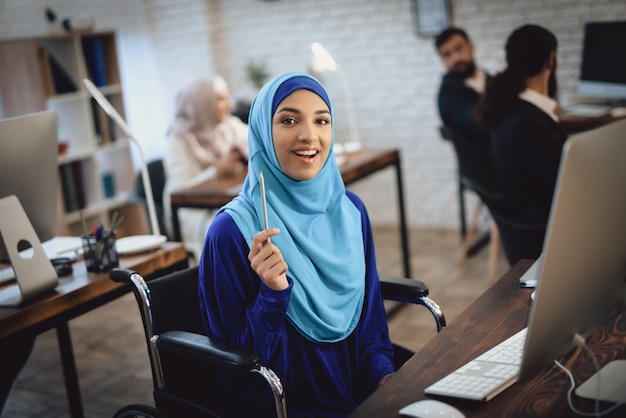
(77, 169)
(112, 125)
(101, 124)
(72, 184)
(95, 116)
(46, 71)
(94, 58)
(61, 79)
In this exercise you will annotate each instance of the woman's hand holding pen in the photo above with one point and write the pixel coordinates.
(267, 261)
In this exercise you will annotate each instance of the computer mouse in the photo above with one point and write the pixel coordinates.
(431, 408)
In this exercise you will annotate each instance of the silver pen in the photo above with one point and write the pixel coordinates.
(263, 202)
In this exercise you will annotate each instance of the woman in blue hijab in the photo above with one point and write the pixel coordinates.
(304, 293)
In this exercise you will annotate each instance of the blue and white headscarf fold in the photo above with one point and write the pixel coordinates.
(321, 237)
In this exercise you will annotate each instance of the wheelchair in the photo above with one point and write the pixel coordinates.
(184, 360)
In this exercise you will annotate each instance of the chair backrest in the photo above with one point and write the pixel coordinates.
(175, 305)
(477, 172)
(475, 161)
(519, 240)
(175, 302)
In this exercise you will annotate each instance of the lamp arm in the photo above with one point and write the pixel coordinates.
(354, 132)
(147, 184)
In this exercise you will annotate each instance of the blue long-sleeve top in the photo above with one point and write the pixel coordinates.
(320, 379)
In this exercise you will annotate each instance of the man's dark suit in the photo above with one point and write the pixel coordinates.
(472, 143)
(527, 145)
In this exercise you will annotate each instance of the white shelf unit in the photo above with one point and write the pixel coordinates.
(46, 72)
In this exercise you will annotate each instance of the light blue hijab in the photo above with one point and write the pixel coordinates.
(320, 228)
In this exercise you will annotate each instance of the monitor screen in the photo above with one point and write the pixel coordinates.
(603, 65)
(28, 169)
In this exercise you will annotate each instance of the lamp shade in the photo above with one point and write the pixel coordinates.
(323, 61)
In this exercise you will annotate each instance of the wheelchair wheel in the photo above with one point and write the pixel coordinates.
(139, 411)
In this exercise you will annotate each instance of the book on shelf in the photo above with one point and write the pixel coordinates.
(61, 79)
(73, 186)
(95, 117)
(112, 125)
(101, 124)
(104, 125)
(46, 71)
(93, 51)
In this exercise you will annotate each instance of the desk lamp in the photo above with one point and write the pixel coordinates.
(323, 61)
(156, 236)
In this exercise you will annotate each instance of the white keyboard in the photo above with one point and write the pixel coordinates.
(487, 375)
(6, 274)
(587, 110)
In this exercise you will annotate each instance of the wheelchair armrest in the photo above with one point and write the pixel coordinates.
(202, 348)
(402, 289)
(121, 275)
(411, 291)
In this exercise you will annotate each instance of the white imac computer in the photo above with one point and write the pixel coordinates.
(28, 202)
(603, 64)
(582, 279)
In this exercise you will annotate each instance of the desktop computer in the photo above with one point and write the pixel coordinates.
(581, 276)
(28, 202)
(602, 77)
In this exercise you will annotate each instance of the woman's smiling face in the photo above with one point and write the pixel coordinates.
(302, 134)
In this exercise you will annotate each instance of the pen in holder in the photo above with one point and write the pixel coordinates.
(99, 250)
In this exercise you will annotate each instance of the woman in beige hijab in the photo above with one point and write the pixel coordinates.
(204, 141)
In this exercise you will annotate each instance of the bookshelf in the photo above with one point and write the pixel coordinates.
(46, 72)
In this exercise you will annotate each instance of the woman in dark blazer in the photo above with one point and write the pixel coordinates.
(526, 139)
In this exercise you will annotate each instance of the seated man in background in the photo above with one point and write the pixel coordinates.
(459, 92)
(527, 141)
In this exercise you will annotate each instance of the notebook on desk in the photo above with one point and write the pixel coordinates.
(581, 280)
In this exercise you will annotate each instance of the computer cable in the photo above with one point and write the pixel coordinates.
(579, 341)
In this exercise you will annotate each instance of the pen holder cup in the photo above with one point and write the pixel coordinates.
(99, 252)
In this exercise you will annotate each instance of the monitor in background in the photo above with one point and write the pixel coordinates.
(582, 279)
(603, 64)
(28, 169)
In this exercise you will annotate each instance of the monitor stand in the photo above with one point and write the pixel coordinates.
(34, 272)
(612, 383)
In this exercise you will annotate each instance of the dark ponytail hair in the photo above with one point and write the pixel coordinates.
(528, 49)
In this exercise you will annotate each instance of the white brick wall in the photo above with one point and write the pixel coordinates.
(394, 74)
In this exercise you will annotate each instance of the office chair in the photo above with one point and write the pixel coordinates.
(476, 173)
(184, 360)
(520, 240)
(156, 172)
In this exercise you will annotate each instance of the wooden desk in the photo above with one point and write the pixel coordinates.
(497, 314)
(215, 193)
(576, 124)
(77, 294)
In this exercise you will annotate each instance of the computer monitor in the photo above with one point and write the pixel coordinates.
(603, 65)
(582, 279)
(28, 169)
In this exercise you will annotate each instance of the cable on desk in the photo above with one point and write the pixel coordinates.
(579, 341)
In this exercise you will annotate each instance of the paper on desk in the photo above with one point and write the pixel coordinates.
(531, 276)
(58, 247)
